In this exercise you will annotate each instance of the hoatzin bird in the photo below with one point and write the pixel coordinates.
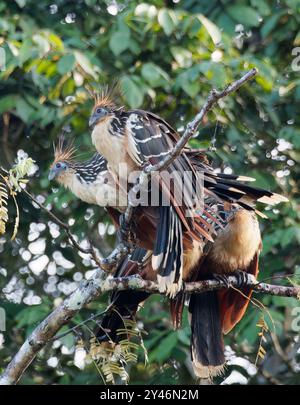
(91, 182)
(236, 246)
(235, 250)
(138, 137)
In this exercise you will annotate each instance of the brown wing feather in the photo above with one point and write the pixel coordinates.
(149, 139)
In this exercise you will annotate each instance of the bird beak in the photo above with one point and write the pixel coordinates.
(93, 120)
(52, 174)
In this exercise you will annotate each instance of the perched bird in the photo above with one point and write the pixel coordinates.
(235, 251)
(135, 138)
(90, 182)
(236, 247)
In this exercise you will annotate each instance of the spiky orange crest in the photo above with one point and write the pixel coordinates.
(64, 151)
(106, 97)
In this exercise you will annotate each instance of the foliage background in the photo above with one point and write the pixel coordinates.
(167, 55)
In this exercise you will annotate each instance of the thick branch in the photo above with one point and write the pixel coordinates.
(91, 289)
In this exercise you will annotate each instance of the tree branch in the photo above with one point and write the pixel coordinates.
(91, 289)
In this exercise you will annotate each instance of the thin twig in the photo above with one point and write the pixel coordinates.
(213, 97)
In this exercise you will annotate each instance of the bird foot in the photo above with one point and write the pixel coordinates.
(243, 278)
(223, 278)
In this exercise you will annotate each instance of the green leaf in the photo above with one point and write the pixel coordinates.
(133, 94)
(286, 302)
(56, 41)
(42, 43)
(24, 110)
(244, 15)
(21, 3)
(290, 134)
(85, 64)
(25, 52)
(66, 64)
(30, 315)
(184, 336)
(183, 57)
(211, 28)
(167, 20)
(270, 24)
(67, 340)
(287, 236)
(164, 348)
(154, 75)
(219, 75)
(7, 103)
(297, 39)
(262, 7)
(119, 41)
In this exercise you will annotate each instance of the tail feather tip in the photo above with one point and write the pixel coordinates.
(208, 372)
(168, 286)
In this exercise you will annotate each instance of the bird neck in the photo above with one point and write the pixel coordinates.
(102, 191)
(80, 189)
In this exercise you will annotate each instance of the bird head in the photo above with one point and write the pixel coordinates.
(104, 105)
(57, 170)
(99, 113)
(63, 160)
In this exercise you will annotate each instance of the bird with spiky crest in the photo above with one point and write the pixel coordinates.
(135, 138)
(89, 180)
(235, 249)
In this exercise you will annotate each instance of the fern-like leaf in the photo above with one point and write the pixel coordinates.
(112, 358)
(3, 206)
(263, 330)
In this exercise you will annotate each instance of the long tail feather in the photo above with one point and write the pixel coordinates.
(167, 257)
(207, 347)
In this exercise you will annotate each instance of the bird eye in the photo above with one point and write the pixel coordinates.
(58, 165)
(100, 110)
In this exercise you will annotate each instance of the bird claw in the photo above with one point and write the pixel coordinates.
(223, 278)
(242, 277)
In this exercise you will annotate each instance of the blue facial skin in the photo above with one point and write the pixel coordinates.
(56, 170)
(96, 116)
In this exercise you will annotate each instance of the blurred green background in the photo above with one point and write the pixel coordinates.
(167, 56)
